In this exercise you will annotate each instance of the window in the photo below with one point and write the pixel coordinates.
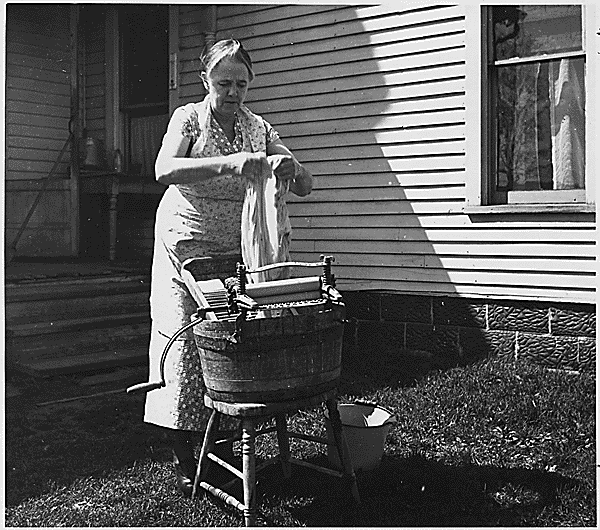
(144, 91)
(534, 107)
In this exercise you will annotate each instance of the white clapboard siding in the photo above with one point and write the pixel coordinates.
(372, 100)
(361, 109)
(313, 75)
(369, 79)
(398, 93)
(384, 49)
(432, 221)
(94, 70)
(516, 250)
(37, 110)
(445, 148)
(431, 235)
(193, 23)
(297, 25)
(474, 263)
(550, 292)
(490, 276)
(378, 137)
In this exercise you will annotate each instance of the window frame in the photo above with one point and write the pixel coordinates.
(116, 135)
(480, 151)
(142, 109)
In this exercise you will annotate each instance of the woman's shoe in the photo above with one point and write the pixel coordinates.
(185, 473)
(184, 461)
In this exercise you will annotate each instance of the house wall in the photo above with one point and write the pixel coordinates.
(445, 331)
(372, 100)
(38, 69)
(193, 24)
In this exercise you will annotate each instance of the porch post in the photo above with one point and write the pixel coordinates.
(75, 129)
(112, 110)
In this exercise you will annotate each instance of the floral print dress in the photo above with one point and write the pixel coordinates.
(193, 220)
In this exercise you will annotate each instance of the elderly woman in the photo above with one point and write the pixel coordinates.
(208, 153)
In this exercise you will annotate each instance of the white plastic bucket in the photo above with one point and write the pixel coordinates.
(365, 427)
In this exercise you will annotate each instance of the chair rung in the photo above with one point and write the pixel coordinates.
(234, 438)
(230, 483)
(266, 430)
(226, 465)
(224, 496)
(268, 462)
(255, 420)
(314, 467)
(309, 438)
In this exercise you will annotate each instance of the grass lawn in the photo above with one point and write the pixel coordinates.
(497, 443)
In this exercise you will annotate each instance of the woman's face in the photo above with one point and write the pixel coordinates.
(227, 84)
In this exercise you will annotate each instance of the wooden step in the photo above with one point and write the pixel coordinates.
(24, 328)
(52, 310)
(74, 287)
(83, 362)
(71, 341)
(76, 316)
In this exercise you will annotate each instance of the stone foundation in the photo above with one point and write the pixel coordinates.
(455, 331)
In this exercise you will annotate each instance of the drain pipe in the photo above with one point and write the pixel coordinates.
(210, 36)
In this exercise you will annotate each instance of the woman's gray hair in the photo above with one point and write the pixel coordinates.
(230, 48)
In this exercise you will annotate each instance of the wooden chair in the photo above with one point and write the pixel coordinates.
(251, 415)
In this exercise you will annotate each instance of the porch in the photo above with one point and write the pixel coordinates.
(66, 315)
(74, 315)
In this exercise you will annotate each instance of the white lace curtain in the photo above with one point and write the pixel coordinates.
(567, 125)
(146, 137)
(560, 125)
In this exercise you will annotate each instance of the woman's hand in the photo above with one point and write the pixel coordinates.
(286, 167)
(283, 166)
(250, 165)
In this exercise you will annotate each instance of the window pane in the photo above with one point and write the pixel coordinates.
(541, 126)
(530, 30)
(146, 53)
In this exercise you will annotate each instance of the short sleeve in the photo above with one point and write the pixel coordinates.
(272, 134)
(179, 117)
(183, 124)
(177, 123)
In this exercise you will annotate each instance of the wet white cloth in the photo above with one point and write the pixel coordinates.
(266, 228)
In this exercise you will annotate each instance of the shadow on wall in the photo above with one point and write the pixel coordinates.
(373, 104)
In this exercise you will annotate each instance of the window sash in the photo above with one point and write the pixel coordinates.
(523, 161)
(539, 140)
(535, 29)
(480, 152)
(538, 58)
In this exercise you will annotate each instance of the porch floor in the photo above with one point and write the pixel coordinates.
(31, 269)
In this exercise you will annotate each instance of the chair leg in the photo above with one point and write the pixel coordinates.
(342, 446)
(208, 446)
(284, 445)
(249, 470)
